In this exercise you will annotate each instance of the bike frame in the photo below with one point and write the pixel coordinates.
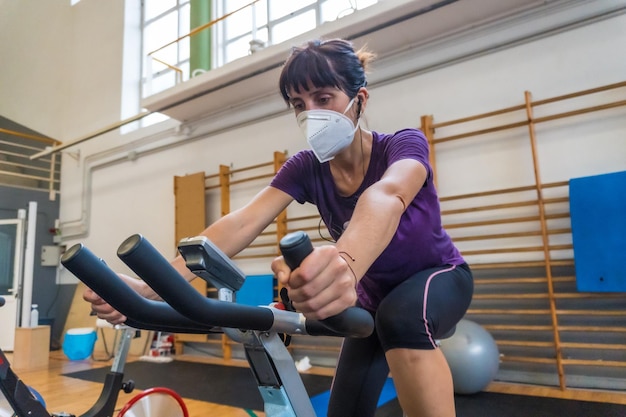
(25, 404)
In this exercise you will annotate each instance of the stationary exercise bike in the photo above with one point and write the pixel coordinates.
(260, 329)
(24, 403)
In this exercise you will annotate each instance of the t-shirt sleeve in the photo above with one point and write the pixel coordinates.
(408, 144)
(292, 177)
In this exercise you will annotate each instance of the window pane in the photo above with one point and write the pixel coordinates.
(280, 8)
(184, 66)
(336, 9)
(261, 12)
(238, 23)
(232, 5)
(162, 82)
(184, 49)
(167, 55)
(262, 35)
(238, 48)
(185, 20)
(161, 32)
(153, 8)
(293, 27)
(261, 41)
(153, 67)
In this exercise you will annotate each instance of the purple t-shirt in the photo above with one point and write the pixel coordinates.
(420, 242)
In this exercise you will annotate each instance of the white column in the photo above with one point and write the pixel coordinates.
(29, 264)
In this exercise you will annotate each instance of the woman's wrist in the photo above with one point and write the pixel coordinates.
(348, 260)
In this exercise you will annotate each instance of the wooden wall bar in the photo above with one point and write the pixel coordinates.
(518, 241)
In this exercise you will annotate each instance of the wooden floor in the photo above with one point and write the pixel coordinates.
(76, 396)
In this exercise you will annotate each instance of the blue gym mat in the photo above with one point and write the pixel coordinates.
(598, 215)
(320, 401)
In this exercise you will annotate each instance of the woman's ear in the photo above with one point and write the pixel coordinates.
(361, 98)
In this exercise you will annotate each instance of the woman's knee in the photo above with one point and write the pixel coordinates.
(401, 326)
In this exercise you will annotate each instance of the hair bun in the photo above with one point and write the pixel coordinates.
(365, 57)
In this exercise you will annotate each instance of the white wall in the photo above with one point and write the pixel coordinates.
(35, 53)
(61, 65)
(584, 58)
(136, 196)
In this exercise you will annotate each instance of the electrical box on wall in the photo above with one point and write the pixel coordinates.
(51, 254)
(65, 277)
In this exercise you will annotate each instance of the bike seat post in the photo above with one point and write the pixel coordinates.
(278, 380)
(122, 348)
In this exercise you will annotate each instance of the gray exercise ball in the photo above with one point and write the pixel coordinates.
(473, 357)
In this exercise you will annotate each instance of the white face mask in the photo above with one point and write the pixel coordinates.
(328, 132)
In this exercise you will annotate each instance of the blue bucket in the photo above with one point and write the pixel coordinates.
(78, 343)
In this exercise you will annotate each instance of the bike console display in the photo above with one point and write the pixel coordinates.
(205, 260)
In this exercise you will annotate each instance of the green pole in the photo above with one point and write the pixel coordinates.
(200, 43)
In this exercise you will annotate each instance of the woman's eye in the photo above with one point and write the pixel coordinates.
(324, 100)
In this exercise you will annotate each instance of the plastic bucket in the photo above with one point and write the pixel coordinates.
(78, 343)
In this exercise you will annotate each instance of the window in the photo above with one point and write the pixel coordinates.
(171, 56)
(166, 59)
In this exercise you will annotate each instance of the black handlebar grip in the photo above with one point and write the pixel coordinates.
(295, 247)
(352, 322)
(141, 313)
(156, 271)
(2, 301)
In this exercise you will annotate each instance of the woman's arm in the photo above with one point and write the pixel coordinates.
(377, 213)
(232, 233)
(236, 230)
(324, 284)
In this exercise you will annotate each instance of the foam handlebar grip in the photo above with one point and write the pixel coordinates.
(295, 247)
(141, 313)
(153, 268)
(352, 322)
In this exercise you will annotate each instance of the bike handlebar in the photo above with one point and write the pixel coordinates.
(141, 312)
(158, 273)
(185, 310)
(2, 301)
(147, 262)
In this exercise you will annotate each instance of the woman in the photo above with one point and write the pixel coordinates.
(389, 252)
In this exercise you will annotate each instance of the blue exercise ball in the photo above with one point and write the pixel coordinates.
(473, 357)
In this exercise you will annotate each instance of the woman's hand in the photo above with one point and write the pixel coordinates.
(103, 310)
(322, 286)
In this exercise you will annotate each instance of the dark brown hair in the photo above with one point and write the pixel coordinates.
(331, 63)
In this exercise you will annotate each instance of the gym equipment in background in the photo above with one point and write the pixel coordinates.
(597, 211)
(472, 355)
